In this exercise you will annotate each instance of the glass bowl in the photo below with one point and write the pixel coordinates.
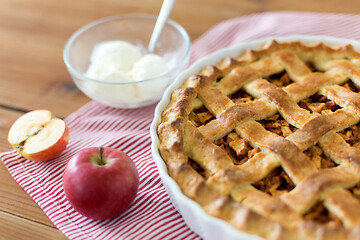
(173, 45)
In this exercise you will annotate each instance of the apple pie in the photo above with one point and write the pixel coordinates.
(270, 141)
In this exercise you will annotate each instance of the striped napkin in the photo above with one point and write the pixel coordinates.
(151, 216)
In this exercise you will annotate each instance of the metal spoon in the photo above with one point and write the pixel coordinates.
(160, 22)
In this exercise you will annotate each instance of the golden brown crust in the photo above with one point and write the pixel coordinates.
(225, 190)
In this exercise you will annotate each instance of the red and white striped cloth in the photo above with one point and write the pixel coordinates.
(152, 215)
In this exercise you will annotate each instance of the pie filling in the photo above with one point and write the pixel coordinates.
(198, 168)
(319, 104)
(241, 97)
(280, 79)
(239, 149)
(320, 214)
(278, 125)
(356, 191)
(276, 183)
(351, 134)
(317, 156)
(200, 116)
(351, 86)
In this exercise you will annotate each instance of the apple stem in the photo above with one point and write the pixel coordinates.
(101, 159)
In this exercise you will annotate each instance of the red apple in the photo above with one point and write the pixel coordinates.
(100, 182)
(39, 136)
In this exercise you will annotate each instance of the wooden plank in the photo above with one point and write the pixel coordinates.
(16, 228)
(7, 118)
(14, 199)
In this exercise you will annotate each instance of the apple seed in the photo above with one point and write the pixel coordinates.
(20, 146)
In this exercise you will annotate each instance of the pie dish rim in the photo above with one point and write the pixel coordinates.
(206, 226)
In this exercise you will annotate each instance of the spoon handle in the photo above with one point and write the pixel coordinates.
(160, 22)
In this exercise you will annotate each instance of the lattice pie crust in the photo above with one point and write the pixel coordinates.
(269, 141)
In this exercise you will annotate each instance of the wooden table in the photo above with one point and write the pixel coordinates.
(33, 75)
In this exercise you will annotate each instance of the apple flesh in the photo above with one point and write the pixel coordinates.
(39, 135)
(100, 182)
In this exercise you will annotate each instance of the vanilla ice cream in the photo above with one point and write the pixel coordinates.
(148, 66)
(119, 54)
(122, 62)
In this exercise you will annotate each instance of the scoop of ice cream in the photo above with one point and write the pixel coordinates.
(114, 76)
(122, 62)
(97, 69)
(150, 65)
(113, 93)
(120, 54)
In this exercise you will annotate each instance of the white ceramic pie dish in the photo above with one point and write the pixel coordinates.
(197, 219)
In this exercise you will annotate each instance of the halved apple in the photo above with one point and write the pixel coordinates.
(39, 135)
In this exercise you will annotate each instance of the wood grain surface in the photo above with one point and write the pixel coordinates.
(33, 75)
